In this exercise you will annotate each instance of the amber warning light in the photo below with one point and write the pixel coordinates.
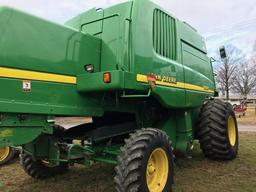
(107, 77)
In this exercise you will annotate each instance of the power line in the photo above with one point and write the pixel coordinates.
(238, 32)
(232, 28)
(233, 25)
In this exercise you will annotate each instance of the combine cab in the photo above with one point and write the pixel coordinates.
(141, 74)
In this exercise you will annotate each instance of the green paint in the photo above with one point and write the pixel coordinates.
(135, 37)
(16, 129)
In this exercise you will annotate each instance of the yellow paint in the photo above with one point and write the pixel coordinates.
(143, 79)
(38, 76)
(197, 88)
(6, 133)
(4, 153)
(232, 131)
(176, 85)
(167, 79)
(48, 164)
(157, 170)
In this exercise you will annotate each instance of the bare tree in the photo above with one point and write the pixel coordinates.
(244, 80)
(225, 69)
(253, 64)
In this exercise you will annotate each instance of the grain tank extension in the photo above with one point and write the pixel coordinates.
(141, 74)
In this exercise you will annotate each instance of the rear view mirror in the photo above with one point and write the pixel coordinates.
(223, 54)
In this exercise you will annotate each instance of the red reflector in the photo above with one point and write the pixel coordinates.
(107, 77)
(152, 80)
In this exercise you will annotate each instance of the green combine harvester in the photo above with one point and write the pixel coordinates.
(141, 74)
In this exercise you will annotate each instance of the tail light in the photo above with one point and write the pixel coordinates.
(107, 77)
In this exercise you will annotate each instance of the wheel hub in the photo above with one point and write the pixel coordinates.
(151, 169)
(157, 170)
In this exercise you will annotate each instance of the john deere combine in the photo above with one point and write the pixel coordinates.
(144, 77)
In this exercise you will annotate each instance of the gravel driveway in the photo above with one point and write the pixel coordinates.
(247, 128)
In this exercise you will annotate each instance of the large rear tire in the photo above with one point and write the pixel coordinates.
(7, 154)
(145, 163)
(218, 131)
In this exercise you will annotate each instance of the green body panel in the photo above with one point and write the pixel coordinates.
(33, 44)
(22, 129)
(132, 41)
(97, 84)
(43, 147)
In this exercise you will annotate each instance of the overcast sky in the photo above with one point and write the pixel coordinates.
(221, 22)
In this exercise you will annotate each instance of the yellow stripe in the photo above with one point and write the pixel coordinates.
(197, 88)
(39, 76)
(144, 79)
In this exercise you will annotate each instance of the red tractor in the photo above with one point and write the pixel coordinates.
(241, 108)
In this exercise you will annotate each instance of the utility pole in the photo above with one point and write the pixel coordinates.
(224, 59)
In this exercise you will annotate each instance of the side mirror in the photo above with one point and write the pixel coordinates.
(223, 54)
(212, 60)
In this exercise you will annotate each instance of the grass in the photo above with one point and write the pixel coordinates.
(194, 174)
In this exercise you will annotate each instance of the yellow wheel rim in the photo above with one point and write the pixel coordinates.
(157, 170)
(232, 131)
(4, 153)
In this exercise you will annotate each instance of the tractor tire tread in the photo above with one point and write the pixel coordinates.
(212, 131)
(130, 160)
(37, 170)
